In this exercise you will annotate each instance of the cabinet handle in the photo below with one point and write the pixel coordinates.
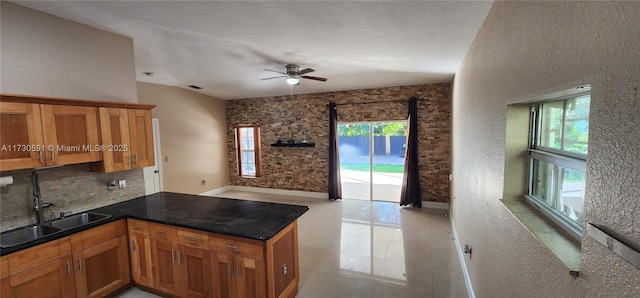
(232, 246)
(129, 160)
(137, 164)
(237, 270)
(229, 267)
(80, 264)
(68, 268)
(179, 257)
(53, 153)
(161, 233)
(190, 239)
(137, 228)
(173, 256)
(40, 158)
(133, 246)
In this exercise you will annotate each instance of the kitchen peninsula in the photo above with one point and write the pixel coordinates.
(186, 245)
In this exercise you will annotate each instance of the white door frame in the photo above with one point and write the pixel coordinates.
(157, 156)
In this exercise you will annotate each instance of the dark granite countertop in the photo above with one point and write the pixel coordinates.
(246, 219)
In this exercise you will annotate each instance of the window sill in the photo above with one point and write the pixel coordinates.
(559, 242)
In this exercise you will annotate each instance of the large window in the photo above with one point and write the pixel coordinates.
(557, 159)
(248, 150)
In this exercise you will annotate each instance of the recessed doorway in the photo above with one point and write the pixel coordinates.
(372, 159)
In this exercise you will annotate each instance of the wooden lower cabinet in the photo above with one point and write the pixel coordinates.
(53, 279)
(140, 251)
(235, 276)
(102, 269)
(165, 267)
(195, 272)
(180, 270)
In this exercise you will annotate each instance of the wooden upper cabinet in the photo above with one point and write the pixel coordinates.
(43, 131)
(70, 134)
(20, 136)
(127, 140)
(141, 134)
(114, 130)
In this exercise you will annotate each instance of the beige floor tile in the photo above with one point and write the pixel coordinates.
(446, 260)
(317, 259)
(449, 284)
(358, 267)
(391, 292)
(407, 277)
(374, 249)
(338, 286)
(310, 282)
(409, 253)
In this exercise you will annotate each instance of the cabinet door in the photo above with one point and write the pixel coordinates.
(252, 277)
(114, 130)
(102, 269)
(195, 272)
(141, 260)
(141, 134)
(53, 279)
(223, 275)
(166, 269)
(70, 134)
(20, 136)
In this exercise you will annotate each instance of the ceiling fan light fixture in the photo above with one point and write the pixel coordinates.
(293, 80)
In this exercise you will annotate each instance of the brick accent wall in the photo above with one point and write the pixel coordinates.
(306, 115)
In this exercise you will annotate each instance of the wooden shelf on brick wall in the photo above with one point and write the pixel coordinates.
(293, 145)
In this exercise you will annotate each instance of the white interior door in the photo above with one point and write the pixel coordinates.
(153, 174)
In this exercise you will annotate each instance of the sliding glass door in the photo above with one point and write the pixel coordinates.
(372, 159)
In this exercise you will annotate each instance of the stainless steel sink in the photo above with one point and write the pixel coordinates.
(25, 235)
(78, 220)
(35, 232)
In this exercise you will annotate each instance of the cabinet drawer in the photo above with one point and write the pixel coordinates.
(237, 246)
(97, 235)
(193, 238)
(138, 227)
(4, 267)
(163, 232)
(32, 257)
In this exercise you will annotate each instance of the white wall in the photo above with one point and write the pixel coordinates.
(524, 50)
(49, 56)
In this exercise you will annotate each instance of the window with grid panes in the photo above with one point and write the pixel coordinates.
(248, 150)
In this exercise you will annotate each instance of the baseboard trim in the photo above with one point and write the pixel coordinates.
(216, 191)
(284, 192)
(463, 263)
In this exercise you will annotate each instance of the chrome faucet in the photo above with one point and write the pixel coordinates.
(38, 205)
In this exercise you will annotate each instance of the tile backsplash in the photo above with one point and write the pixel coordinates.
(71, 188)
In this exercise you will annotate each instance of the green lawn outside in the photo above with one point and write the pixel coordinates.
(380, 168)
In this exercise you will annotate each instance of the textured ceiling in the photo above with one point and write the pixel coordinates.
(224, 47)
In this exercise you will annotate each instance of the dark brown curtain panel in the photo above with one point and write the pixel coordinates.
(335, 188)
(410, 194)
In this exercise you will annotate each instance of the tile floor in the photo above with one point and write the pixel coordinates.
(354, 248)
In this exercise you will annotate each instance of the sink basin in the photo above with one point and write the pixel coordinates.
(24, 235)
(78, 220)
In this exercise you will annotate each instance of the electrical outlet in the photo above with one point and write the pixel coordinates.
(122, 184)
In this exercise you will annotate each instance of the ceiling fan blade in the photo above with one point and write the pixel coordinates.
(306, 70)
(274, 77)
(314, 78)
(284, 73)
